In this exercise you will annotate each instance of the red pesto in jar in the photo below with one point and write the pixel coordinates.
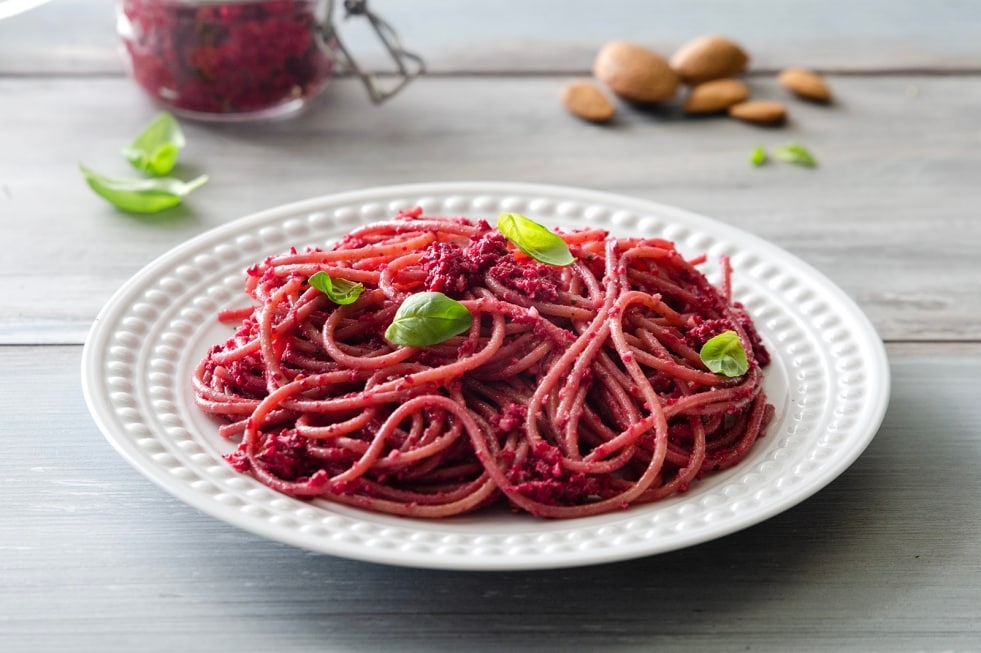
(226, 58)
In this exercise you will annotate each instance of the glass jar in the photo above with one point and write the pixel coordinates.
(245, 59)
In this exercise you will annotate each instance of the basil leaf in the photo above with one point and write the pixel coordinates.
(535, 240)
(340, 291)
(758, 156)
(428, 318)
(796, 154)
(155, 150)
(141, 195)
(724, 354)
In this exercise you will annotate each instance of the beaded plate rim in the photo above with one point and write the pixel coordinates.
(829, 382)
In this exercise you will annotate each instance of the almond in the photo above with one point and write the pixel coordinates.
(585, 100)
(717, 95)
(806, 83)
(759, 112)
(707, 58)
(635, 73)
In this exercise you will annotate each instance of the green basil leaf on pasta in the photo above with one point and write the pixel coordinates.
(428, 318)
(796, 154)
(141, 195)
(724, 354)
(155, 150)
(340, 291)
(535, 240)
(758, 156)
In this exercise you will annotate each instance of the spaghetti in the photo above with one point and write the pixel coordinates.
(576, 391)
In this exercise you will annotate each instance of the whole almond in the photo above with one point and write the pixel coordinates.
(707, 58)
(717, 95)
(635, 73)
(759, 112)
(585, 100)
(805, 83)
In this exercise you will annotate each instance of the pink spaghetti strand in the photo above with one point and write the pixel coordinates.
(576, 391)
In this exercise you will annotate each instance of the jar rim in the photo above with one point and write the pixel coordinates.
(328, 3)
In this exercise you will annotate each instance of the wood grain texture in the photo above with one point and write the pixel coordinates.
(515, 36)
(889, 215)
(886, 558)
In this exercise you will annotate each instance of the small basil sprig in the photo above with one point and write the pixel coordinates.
(758, 156)
(796, 154)
(340, 291)
(724, 354)
(155, 150)
(141, 195)
(428, 318)
(535, 240)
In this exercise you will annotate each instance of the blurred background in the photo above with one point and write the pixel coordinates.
(562, 36)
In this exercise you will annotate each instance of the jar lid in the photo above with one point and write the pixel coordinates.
(209, 3)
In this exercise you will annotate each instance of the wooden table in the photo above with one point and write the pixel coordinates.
(93, 557)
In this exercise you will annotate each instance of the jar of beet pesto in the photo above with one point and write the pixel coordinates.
(247, 59)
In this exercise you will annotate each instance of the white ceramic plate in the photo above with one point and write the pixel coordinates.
(829, 381)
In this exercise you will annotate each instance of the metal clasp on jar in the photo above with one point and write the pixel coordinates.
(408, 64)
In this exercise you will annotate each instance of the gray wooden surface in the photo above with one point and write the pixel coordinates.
(521, 36)
(95, 558)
